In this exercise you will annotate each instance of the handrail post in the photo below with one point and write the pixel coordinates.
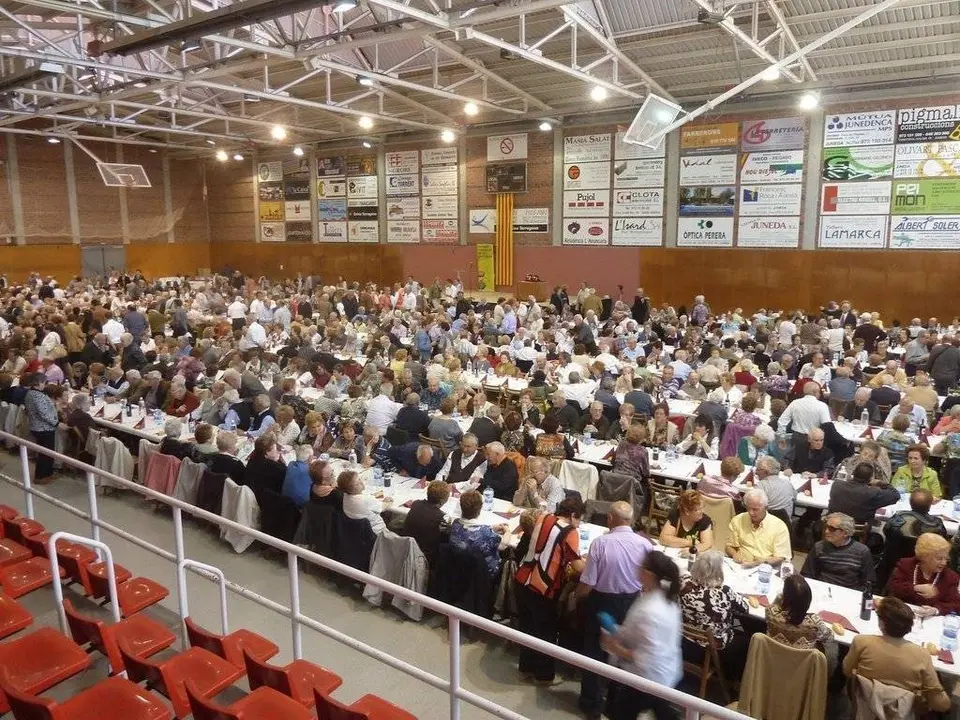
(94, 514)
(454, 630)
(692, 714)
(27, 484)
(55, 570)
(221, 579)
(293, 570)
(181, 573)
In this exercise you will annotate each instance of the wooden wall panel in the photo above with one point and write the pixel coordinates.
(60, 261)
(230, 205)
(146, 207)
(156, 260)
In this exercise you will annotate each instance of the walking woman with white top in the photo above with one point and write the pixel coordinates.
(648, 642)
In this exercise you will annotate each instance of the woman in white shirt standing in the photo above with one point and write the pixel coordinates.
(648, 642)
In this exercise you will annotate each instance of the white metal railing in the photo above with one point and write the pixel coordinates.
(693, 706)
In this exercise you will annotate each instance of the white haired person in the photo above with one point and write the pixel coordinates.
(757, 536)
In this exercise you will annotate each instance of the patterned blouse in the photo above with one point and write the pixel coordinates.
(631, 459)
(813, 633)
(513, 440)
(712, 609)
(466, 535)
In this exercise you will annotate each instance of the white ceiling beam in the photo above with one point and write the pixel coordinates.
(784, 27)
(98, 138)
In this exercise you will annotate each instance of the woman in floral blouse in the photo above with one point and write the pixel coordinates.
(789, 622)
(709, 605)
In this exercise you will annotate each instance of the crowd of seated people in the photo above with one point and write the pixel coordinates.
(778, 383)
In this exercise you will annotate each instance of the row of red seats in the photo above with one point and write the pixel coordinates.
(190, 679)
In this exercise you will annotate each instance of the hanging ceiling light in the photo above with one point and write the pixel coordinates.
(367, 144)
(365, 122)
(808, 101)
(238, 156)
(298, 151)
(222, 155)
(343, 5)
(278, 132)
(53, 141)
(471, 109)
(545, 126)
(598, 93)
(448, 136)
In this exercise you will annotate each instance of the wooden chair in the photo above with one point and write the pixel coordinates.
(721, 512)
(663, 499)
(861, 531)
(710, 667)
(437, 445)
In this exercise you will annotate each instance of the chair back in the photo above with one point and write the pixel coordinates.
(203, 708)
(874, 700)
(582, 477)
(519, 460)
(188, 481)
(145, 454)
(615, 486)
(396, 436)
(721, 512)
(330, 709)
(162, 473)
(709, 666)
(732, 435)
(140, 669)
(203, 638)
(763, 694)
(261, 673)
(437, 445)
(279, 515)
(210, 493)
(663, 499)
(74, 569)
(27, 707)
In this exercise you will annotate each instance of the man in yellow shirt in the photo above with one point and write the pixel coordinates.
(757, 536)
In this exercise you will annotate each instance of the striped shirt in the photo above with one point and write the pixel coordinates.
(849, 565)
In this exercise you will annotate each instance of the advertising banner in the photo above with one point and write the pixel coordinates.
(270, 192)
(402, 163)
(586, 203)
(928, 124)
(718, 201)
(299, 231)
(441, 231)
(638, 173)
(771, 200)
(296, 189)
(272, 212)
(641, 232)
(531, 220)
(773, 134)
(586, 148)
(705, 232)
(483, 221)
(330, 167)
(403, 231)
(438, 156)
(772, 232)
(925, 233)
(938, 159)
(440, 182)
(297, 167)
(406, 208)
(873, 162)
(332, 232)
(485, 267)
(784, 166)
(361, 164)
(272, 232)
(707, 138)
(638, 203)
(403, 184)
(582, 176)
(439, 207)
(630, 151)
(586, 231)
(270, 171)
(296, 210)
(332, 210)
(926, 197)
(366, 231)
(857, 231)
(708, 169)
(855, 129)
(505, 147)
(364, 186)
(328, 188)
(856, 198)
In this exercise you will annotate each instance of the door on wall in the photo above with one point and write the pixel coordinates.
(101, 260)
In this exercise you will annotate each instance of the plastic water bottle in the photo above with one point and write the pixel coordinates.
(842, 474)
(588, 438)
(352, 458)
(377, 477)
(948, 638)
(488, 498)
(143, 408)
(956, 505)
(671, 453)
(865, 417)
(469, 367)
(764, 571)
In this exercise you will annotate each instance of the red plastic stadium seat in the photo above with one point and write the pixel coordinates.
(77, 561)
(13, 618)
(16, 528)
(40, 660)
(231, 647)
(115, 697)
(134, 594)
(369, 707)
(12, 552)
(263, 704)
(209, 673)
(17, 580)
(6, 513)
(144, 636)
(297, 679)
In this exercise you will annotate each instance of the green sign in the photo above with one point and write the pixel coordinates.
(926, 197)
(874, 162)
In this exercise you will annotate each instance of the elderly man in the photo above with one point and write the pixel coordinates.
(609, 583)
(906, 406)
(416, 460)
(840, 559)
(853, 410)
(692, 389)
(833, 337)
(859, 498)
(433, 394)
(540, 489)
(382, 410)
(410, 418)
(821, 372)
(870, 333)
(262, 417)
(780, 492)
(893, 369)
(944, 364)
(255, 336)
(466, 463)
(501, 474)
(916, 353)
(756, 536)
(922, 393)
(917, 520)
(246, 384)
(487, 429)
(805, 413)
(811, 457)
(566, 415)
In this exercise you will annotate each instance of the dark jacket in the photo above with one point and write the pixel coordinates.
(412, 419)
(641, 401)
(852, 412)
(228, 465)
(486, 430)
(503, 478)
(404, 457)
(423, 523)
(860, 501)
(265, 474)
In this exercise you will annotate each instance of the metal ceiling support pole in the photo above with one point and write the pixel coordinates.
(791, 39)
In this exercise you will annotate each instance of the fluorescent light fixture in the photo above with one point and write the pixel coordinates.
(298, 151)
(365, 81)
(190, 46)
(448, 136)
(365, 122)
(153, 150)
(343, 5)
(238, 156)
(598, 93)
(53, 141)
(545, 126)
(367, 144)
(211, 142)
(278, 132)
(139, 84)
(808, 101)
(222, 155)
(771, 74)
(471, 109)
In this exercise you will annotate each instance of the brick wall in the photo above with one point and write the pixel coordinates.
(230, 202)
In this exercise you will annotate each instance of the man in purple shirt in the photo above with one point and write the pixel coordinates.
(609, 583)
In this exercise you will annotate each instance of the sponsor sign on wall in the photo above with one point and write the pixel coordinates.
(438, 156)
(331, 166)
(296, 189)
(440, 182)
(363, 212)
(708, 169)
(331, 188)
(299, 231)
(638, 173)
(586, 203)
(705, 232)
(296, 210)
(935, 159)
(872, 162)
(361, 165)
(757, 200)
(403, 184)
(271, 232)
(332, 231)
(403, 208)
(297, 167)
(766, 231)
(405, 162)
(586, 231)
(855, 129)
(646, 231)
(366, 231)
(403, 231)
(270, 171)
(626, 151)
(270, 192)
(638, 202)
(441, 231)
(708, 138)
(586, 148)
(928, 232)
(855, 198)
(483, 221)
(784, 166)
(272, 212)
(928, 124)
(439, 206)
(586, 175)
(712, 201)
(332, 209)
(506, 147)
(364, 186)
(853, 231)
(926, 197)
(773, 134)
(531, 220)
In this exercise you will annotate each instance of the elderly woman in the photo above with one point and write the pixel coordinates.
(776, 382)
(687, 524)
(358, 506)
(469, 535)
(355, 406)
(595, 422)
(789, 622)
(762, 442)
(891, 660)
(444, 427)
(702, 441)
(871, 453)
(513, 437)
(171, 444)
(660, 431)
(710, 605)
(925, 579)
(314, 432)
(949, 423)
(551, 443)
(180, 401)
(721, 486)
(286, 428)
(745, 373)
(540, 489)
(630, 457)
(896, 440)
(78, 419)
(265, 468)
(296, 480)
(730, 394)
(131, 356)
(116, 386)
(204, 440)
(324, 490)
(347, 442)
(746, 414)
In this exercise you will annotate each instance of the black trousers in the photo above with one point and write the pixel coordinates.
(537, 616)
(44, 463)
(626, 703)
(617, 604)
